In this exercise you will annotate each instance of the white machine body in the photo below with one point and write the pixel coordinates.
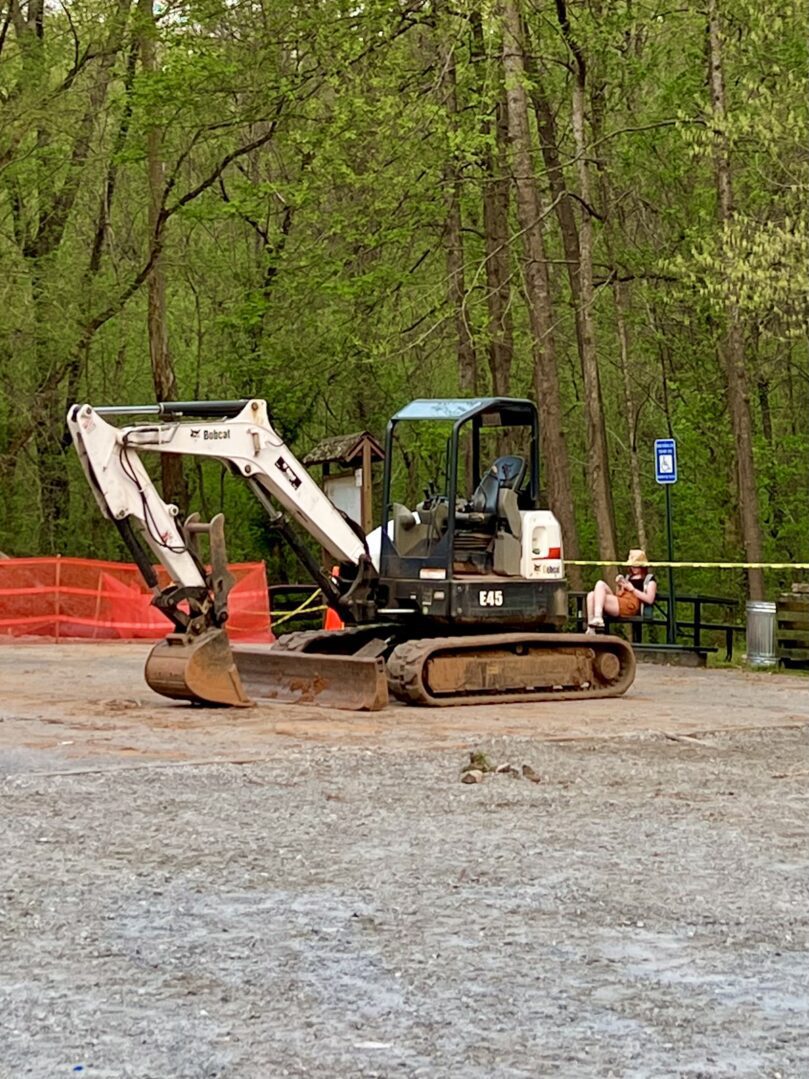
(542, 552)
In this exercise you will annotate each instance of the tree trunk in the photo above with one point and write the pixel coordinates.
(548, 142)
(774, 513)
(163, 374)
(40, 241)
(631, 410)
(495, 228)
(456, 284)
(537, 287)
(498, 286)
(613, 223)
(732, 349)
(631, 407)
(597, 452)
(456, 281)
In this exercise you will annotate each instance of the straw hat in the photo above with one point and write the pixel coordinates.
(637, 557)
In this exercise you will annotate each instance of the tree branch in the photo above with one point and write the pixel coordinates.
(582, 202)
(6, 24)
(228, 159)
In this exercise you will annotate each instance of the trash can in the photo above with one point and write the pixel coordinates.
(760, 633)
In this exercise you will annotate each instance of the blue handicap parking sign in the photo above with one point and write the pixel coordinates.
(665, 460)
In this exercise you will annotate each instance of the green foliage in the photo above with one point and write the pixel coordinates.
(311, 268)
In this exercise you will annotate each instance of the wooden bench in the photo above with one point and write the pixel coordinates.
(792, 628)
(698, 624)
(685, 655)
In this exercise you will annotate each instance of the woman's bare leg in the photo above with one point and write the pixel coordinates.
(604, 599)
(611, 605)
(600, 593)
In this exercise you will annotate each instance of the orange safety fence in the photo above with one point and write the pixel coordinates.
(83, 598)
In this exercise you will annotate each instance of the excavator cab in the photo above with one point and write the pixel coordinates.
(472, 473)
(482, 533)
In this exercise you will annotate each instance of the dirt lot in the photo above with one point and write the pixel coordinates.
(341, 905)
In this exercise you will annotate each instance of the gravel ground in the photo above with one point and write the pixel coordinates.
(341, 910)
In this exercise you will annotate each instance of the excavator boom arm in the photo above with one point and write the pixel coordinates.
(195, 663)
(246, 442)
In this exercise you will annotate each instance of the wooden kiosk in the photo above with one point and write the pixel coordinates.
(347, 462)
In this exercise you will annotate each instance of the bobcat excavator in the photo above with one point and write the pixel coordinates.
(458, 600)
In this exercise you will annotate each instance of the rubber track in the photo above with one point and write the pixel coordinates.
(301, 640)
(297, 642)
(407, 664)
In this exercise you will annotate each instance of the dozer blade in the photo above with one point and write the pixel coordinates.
(199, 669)
(353, 683)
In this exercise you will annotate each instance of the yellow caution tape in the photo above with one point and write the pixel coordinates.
(695, 565)
(304, 608)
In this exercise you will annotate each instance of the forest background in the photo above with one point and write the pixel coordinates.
(341, 206)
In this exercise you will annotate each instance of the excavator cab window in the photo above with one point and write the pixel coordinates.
(420, 457)
(417, 499)
(508, 449)
(489, 445)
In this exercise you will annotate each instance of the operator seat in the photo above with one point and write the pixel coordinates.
(488, 529)
(507, 473)
(511, 470)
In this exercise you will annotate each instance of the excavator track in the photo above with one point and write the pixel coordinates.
(345, 668)
(505, 667)
(306, 640)
(297, 642)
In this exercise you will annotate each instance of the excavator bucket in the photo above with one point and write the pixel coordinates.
(353, 683)
(199, 669)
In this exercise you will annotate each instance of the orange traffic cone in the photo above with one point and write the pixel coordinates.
(333, 619)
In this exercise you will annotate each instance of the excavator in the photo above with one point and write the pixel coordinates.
(459, 599)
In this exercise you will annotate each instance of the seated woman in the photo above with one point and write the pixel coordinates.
(637, 588)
